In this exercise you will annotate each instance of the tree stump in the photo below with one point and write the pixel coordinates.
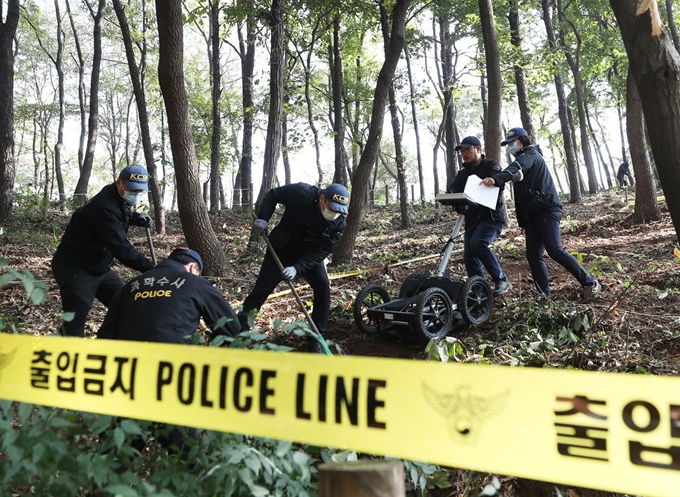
(362, 479)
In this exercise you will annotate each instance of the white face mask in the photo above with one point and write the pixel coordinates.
(329, 215)
(132, 198)
(513, 148)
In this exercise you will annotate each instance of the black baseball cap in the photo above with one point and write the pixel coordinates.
(135, 177)
(179, 254)
(469, 142)
(513, 134)
(337, 196)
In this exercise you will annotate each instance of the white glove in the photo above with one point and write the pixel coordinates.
(260, 226)
(289, 273)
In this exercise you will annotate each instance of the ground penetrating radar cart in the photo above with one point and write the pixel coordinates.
(429, 306)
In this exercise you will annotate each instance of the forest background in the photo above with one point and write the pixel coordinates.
(373, 95)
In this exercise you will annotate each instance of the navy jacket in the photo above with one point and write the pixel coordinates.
(97, 232)
(475, 212)
(302, 233)
(165, 305)
(536, 192)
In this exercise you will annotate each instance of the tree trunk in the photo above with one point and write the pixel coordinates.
(272, 148)
(520, 74)
(340, 175)
(569, 149)
(58, 64)
(81, 89)
(216, 82)
(609, 166)
(362, 175)
(80, 194)
(671, 24)
(284, 141)
(493, 134)
(8, 29)
(656, 68)
(242, 193)
(447, 90)
(575, 66)
(396, 130)
(310, 107)
(193, 215)
(598, 151)
(358, 141)
(142, 111)
(414, 116)
(646, 206)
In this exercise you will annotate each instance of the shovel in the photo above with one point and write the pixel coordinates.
(317, 334)
(153, 252)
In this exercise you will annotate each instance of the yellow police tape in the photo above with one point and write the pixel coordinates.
(614, 432)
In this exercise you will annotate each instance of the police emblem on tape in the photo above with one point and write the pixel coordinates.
(464, 413)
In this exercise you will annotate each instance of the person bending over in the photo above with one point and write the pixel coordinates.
(309, 231)
(96, 233)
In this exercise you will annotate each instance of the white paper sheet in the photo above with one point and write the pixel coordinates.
(482, 194)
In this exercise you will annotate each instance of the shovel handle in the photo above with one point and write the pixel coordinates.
(150, 240)
(317, 334)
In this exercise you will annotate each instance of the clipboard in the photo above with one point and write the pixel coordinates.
(481, 194)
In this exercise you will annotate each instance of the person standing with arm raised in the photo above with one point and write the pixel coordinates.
(539, 211)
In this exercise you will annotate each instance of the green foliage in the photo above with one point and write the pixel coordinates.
(34, 289)
(444, 349)
(61, 452)
(600, 264)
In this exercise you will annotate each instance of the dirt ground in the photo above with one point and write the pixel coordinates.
(636, 265)
(638, 310)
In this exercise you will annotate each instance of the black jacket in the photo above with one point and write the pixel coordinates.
(536, 192)
(302, 234)
(475, 212)
(165, 305)
(97, 232)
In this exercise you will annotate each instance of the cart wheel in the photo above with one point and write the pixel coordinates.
(433, 314)
(369, 296)
(475, 300)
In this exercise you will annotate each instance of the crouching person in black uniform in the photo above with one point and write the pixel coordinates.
(309, 231)
(165, 305)
(96, 233)
(482, 225)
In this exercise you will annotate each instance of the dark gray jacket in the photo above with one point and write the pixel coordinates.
(536, 192)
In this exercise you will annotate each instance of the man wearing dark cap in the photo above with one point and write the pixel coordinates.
(96, 233)
(482, 224)
(308, 232)
(624, 170)
(539, 210)
(166, 303)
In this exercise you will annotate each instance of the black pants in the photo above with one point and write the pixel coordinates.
(78, 290)
(270, 276)
(543, 235)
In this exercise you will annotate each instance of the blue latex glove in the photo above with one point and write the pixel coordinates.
(260, 226)
(289, 273)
